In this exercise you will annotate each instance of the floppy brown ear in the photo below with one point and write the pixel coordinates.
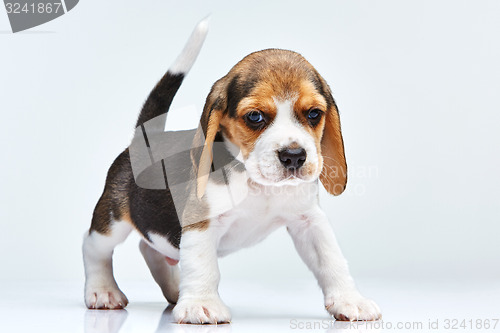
(210, 123)
(206, 158)
(334, 173)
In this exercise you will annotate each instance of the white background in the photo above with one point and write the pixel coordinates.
(417, 86)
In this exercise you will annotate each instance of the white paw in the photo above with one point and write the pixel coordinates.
(351, 307)
(201, 311)
(105, 298)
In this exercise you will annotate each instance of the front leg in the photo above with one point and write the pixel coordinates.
(314, 240)
(199, 301)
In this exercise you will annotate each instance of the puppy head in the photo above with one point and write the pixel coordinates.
(279, 112)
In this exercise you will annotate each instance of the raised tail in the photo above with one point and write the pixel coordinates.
(160, 98)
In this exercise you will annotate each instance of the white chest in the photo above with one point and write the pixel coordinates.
(260, 212)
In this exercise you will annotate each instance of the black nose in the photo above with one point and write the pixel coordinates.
(292, 158)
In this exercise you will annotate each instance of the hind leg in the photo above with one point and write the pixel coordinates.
(101, 290)
(166, 275)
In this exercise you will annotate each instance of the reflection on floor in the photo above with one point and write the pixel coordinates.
(112, 321)
(273, 307)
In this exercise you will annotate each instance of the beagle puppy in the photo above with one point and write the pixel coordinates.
(275, 116)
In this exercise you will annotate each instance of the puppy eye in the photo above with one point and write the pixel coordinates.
(314, 116)
(254, 117)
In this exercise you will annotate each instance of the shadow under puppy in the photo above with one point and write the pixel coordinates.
(276, 117)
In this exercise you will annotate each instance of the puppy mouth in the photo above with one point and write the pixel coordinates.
(285, 177)
(292, 174)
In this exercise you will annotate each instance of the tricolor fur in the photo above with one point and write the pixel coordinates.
(276, 115)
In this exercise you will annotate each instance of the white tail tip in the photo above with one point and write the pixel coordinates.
(186, 59)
